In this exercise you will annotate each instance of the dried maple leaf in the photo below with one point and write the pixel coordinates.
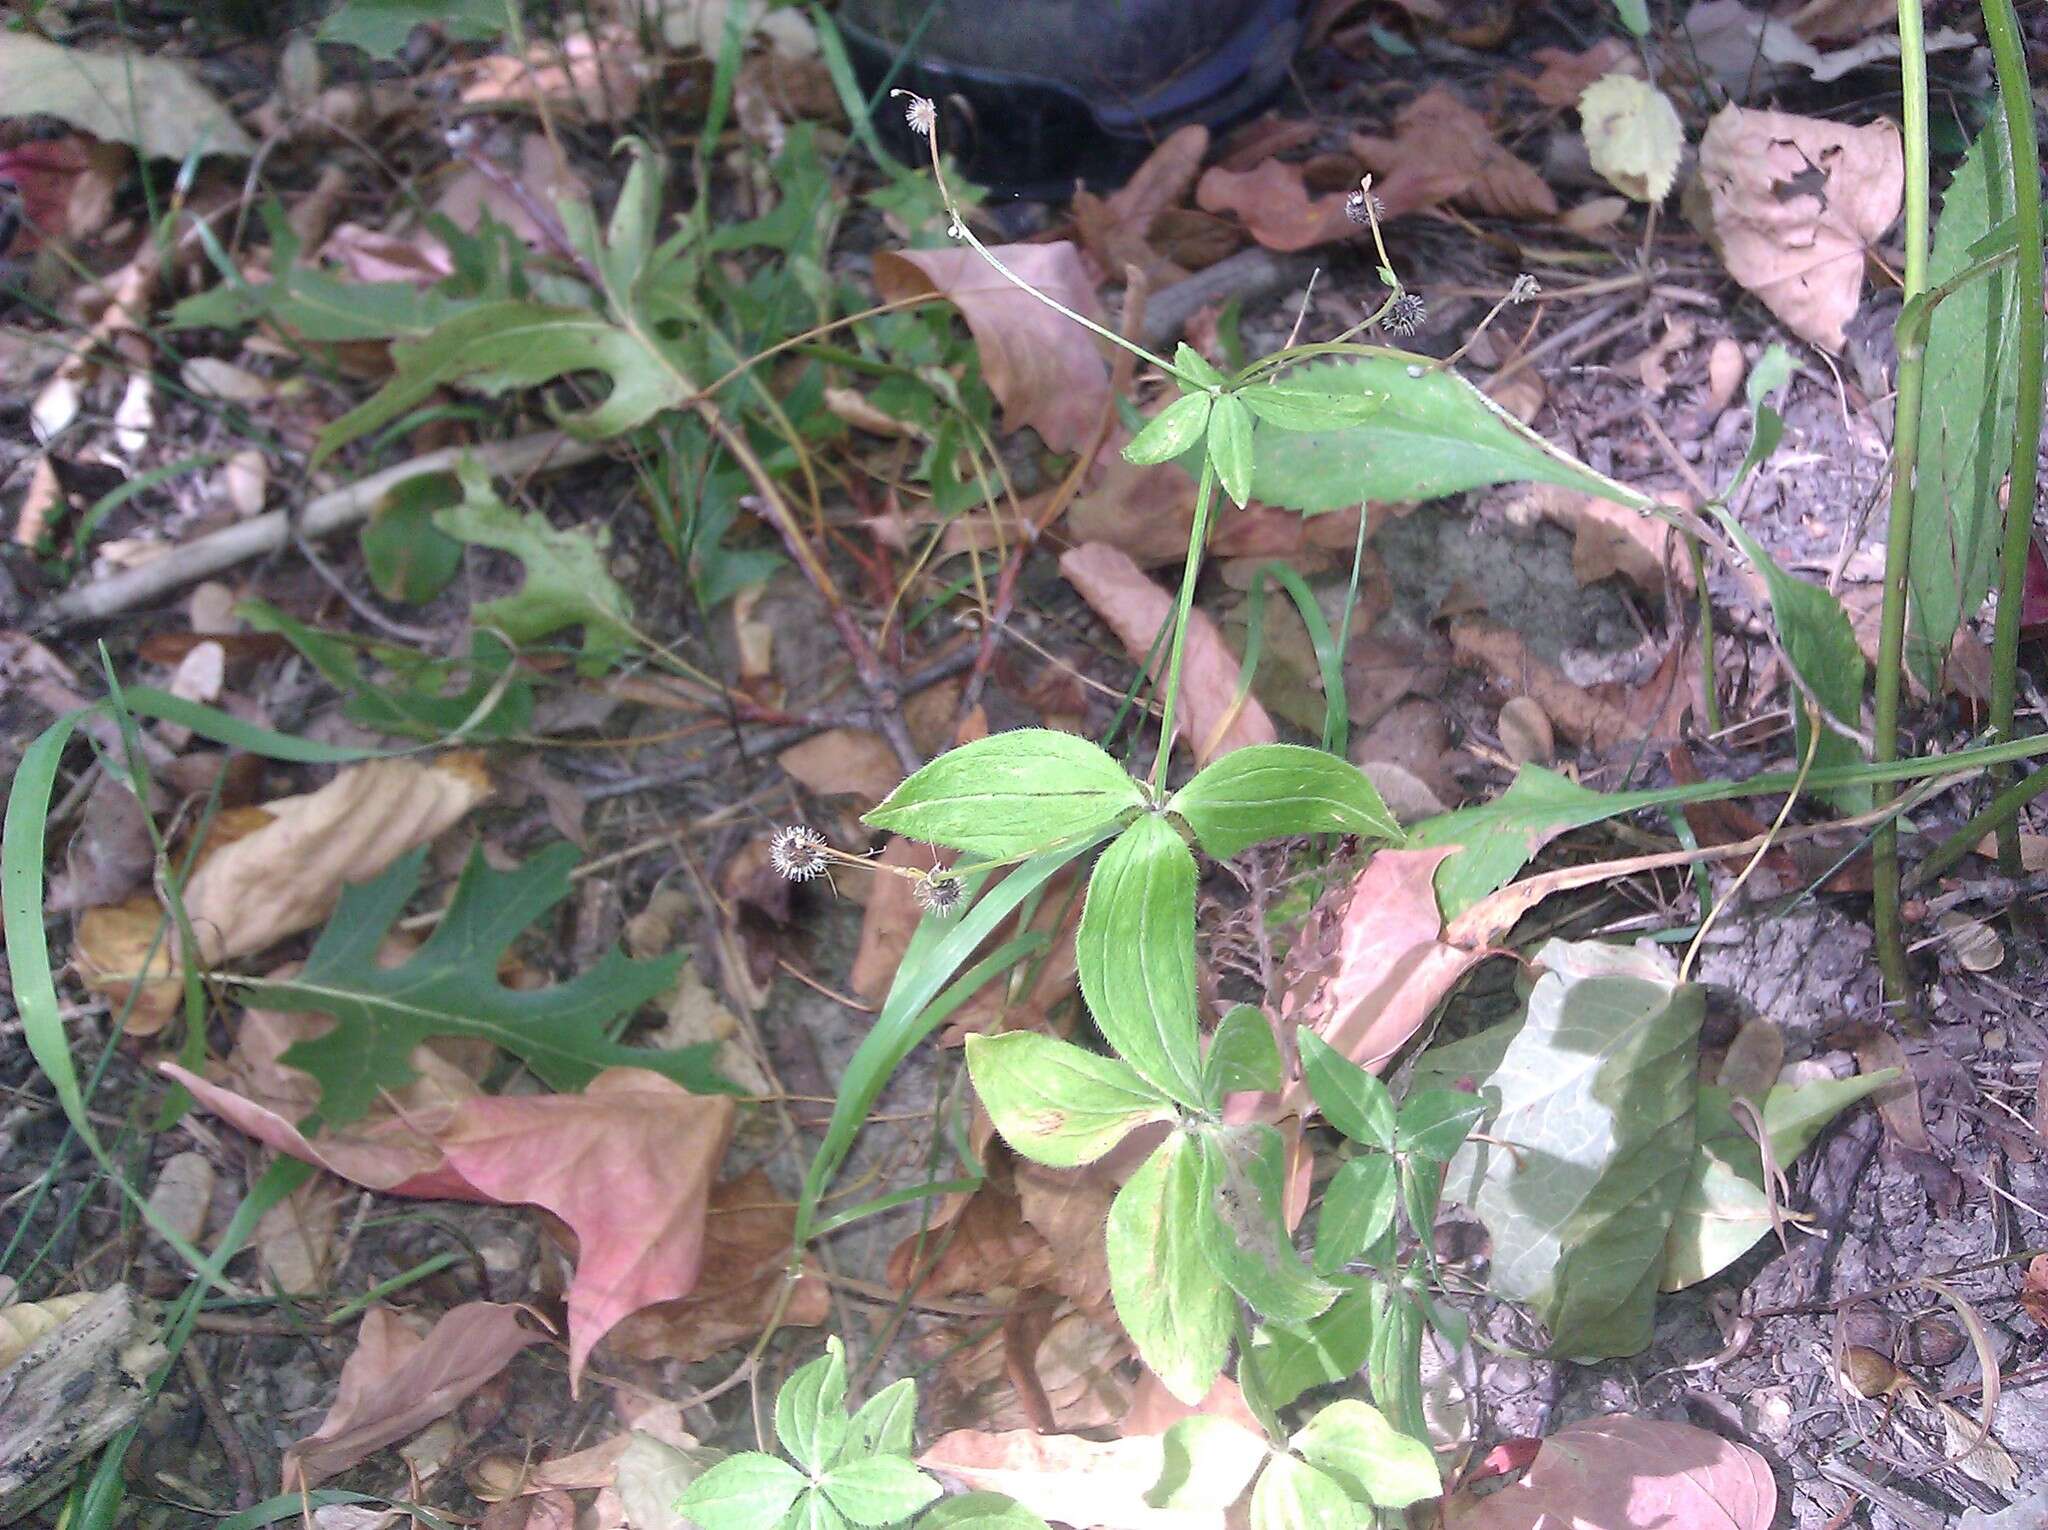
(1621, 1473)
(1794, 205)
(1042, 367)
(1443, 151)
(1274, 202)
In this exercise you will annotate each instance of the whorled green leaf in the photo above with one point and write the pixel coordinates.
(1243, 1189)
(1599, 1100)
(1284, 1360)
(810, 1410)
(502, 346)
(886, 1423)
(566, 581)
(1394, 1363)
(1269, 791)
(1010, 794)
(1970, 380)
(1056, 1103)
(1136, 953)
(1358, 1209)
(980, 1511)
(1243, 1055)
(450, 987)
(1171, 431)
(1207, 1463)
(1291, 406)
(1196, 368)
(1372, 1460)
(814, 1511)
(750, 1491)
(1167, 1297)
(1292, 1495)
(1230, 446)
(1434, 1123)
(878, 1490)
(1435, 435)
(1350, 1098)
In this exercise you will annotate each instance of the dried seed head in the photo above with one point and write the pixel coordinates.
(798, 852)
(1525, 287)
(921, 114)
(1407, 314)
(938, 892)
(1363, 207)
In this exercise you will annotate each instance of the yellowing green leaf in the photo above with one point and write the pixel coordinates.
(1055, 1102)
(152, 104)
(1633, 135)
(1167, 1297)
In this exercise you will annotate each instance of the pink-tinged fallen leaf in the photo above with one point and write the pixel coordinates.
(628, 1164)
(1043, 368)
(2034, 591)
(1276, 206)
(1215, 720)
(1621, 1473)
(1154, 1410)
(1064, 1478)
(1443, 151)
(891, 917)
(398, 1381)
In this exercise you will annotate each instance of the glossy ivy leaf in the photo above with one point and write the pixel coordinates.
(567, 583)
(1285, 1360)
(1358, 1210)
(1230, 446)
(408, 558)
(450, 987)
(1269, 791)
(810, 1410)
(1175, 429)
(749, 1491)
(1010, 795)
(1243, 1056)
(1136, 953)
(1434, 1123)
(1207, 1463)
(503, 346)
(1394, 1363)
(1243, 1189)
(1599, 1097)
(1292, 1495)
(1350, 1098)
(981, 1511)
(1290, 406)
(886, 1424)
(1167, 1296)
(1435, 435)
(1056, 1103)
(1373, 1461)
(880, 1490)
(1196, 367)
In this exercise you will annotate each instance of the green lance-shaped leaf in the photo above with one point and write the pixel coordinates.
(1167, 1296)
(1230, 446)
(1375, 1462)
(450, 987)
(1269, 791)
(1350, 1098)
(1170, 432)
(1394, 1363)
(1598, 1099)
(1136, 954)
(1243, 1192)
(810, 1410)
(1242, 1055)
(1284, 1360)
(1056, 1103)
(1434, 435)
(1434, 1123)
(1290, 406)
(1358, 1209)
(1010, 794)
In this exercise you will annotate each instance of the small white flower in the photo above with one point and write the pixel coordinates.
(797, 852)
(1408, 314)
(921, 114)
(1525, 287)
(938, 893)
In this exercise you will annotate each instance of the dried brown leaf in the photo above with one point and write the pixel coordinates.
(1275, 204)
(1443, 151)
(1622, 1473)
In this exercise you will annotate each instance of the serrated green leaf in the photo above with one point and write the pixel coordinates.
(1633, 135)
(1358, 1208)
(1435, 1122)
(880, 1490)
(886, 1423)
(450, 987)
(566, 583)
(1292, 1495)
(1969, 383)
(380, 27)
(1269, 791)
(1350, 1098)
(1056, 1103)
(1372, 1460)
(1242, 1055)
(750, 1491)
(1230, 446)
(1136, 953)
(1290, 406)
(1207, 1463)
(501, 346)
(1436, 435)
(810, 1410)
(1170, 432)
(409, 559)
(1284, 1360)
(1599, 1099)
(1243, 1190)
(1010, 794)
(1167, 1296)
(981, 1511)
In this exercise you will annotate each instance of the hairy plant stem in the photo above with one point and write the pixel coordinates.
(2009, 57)
(1198, 537)
(1898, 547)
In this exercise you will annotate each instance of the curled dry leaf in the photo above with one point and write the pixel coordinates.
(1276, 206)
(398, 1381)
(1443, 151)
(1135, 609)
(1622, 1473)
(1042, 367)
(1606, 538)
(1795, 204)
(1115, 229)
